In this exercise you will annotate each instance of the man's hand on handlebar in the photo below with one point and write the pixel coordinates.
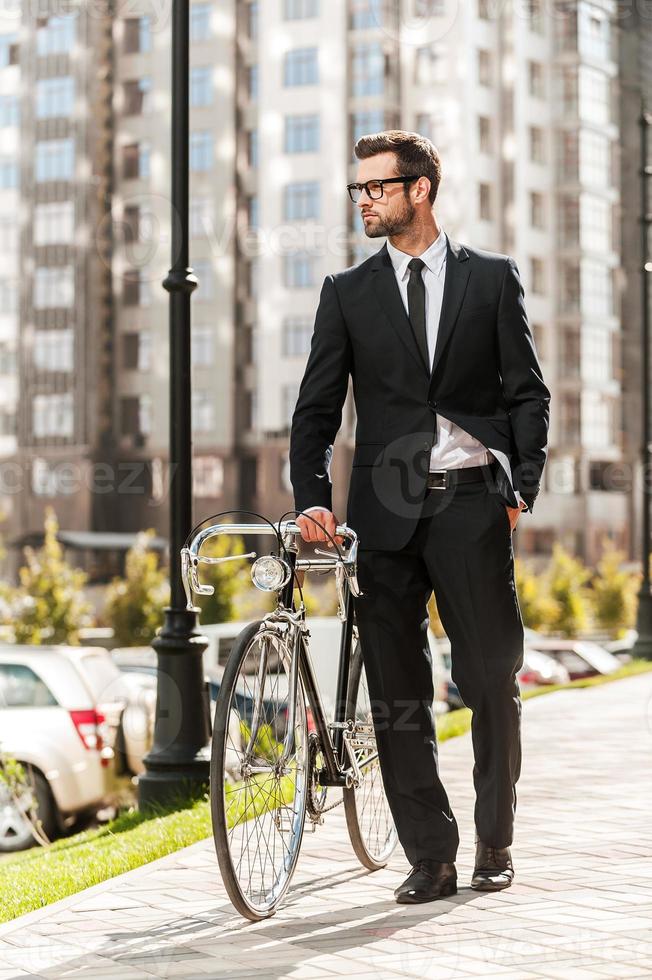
(312, 531)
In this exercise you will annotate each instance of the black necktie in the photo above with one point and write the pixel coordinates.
(417, 307)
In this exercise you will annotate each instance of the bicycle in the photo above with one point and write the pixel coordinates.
(274, 753)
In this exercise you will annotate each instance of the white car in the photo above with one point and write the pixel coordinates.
(62, 715)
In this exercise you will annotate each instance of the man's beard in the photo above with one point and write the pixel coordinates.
(394, 225)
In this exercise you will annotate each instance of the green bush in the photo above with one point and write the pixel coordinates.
(614, 593)
(134, 604)
(538, 608)
(49, 605)
(567, 577)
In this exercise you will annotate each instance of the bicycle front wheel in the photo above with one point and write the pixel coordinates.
(368, 816)
(259, 772)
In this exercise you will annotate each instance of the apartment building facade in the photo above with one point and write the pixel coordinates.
(523, 103)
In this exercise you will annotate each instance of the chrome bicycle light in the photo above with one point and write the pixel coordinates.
(269, 573)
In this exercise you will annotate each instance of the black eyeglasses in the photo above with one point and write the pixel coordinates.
(375, 188)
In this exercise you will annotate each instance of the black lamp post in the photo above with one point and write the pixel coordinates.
(643, 645)
(178, 764)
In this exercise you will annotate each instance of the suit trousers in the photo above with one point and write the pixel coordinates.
(462, 550)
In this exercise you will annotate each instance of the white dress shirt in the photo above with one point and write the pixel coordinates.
(455, 448)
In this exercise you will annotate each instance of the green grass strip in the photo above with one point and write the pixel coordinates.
(36, 878)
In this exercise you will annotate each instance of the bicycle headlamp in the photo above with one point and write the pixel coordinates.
(269, 573)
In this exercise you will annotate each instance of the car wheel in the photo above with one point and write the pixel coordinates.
(15, 826)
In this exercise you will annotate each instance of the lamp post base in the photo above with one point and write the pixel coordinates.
(643, 645)
(178, 764)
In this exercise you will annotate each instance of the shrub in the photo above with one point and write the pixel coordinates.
(134, 604)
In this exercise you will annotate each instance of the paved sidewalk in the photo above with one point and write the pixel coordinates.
(581, 905)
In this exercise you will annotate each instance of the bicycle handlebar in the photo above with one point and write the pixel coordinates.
(191, 559)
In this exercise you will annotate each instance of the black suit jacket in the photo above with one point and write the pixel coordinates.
(485, 377)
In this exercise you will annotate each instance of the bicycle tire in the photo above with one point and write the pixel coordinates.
(372, 852)
(223, 720)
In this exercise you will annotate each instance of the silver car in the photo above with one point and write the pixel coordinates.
(61, 716)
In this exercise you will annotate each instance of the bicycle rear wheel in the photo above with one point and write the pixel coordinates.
(368, 816)
(258, 800)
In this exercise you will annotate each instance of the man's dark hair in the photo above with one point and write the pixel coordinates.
(415, 154)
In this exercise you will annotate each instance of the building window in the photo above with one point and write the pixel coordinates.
(296, 336)
(137, 94)
(135, 160)
(252, 212)
(365, 123)
(202, 345)
(136, 415)
(301, 201)
(52, 415)
(597, 351)
(135, 291)
(205, 277)
(253, 12)
(8, 296)
(594, 88)
(537, 276)
(536, 79)
(201, 86)
(368, 69)
(366, 14)
(484, 202)
(137, 351)
(54, 160)
(252, 82)
(298, 270)
(200, 21)
(570, 288)
(537, 210)
(301, 134)
(9, 111)
(54, 350)
(569, 354)
(57, 35)
(597, 288)
(9, 241)
(534, 10)
(201, 150)
(429, 66)
(54, 224)
(539, 335)
(200, 216)
(483, 9)
(252, 147)
(289, 395)
(594, 33)
(207, 476)
(137, 35)
(423, 125)
(8, 173)
(9, 50)
(595, 223)
(484, 67)
(300, 9)
(595, 159)
(55, 97)
(54, 287)
(537, 144)
(301, 67)
(569, 419)
(484, 134)
(597, 420)
(202, 411)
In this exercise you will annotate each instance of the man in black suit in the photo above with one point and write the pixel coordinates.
(451, 433)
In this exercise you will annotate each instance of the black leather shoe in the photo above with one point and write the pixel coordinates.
(427, 881)
(493, 868)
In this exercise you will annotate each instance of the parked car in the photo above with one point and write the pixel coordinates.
(61, 715)
(581, 658)
(623, 647)
(538, 669)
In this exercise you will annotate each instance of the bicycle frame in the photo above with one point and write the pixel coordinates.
(335, 747)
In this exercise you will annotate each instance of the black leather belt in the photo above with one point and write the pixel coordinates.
(445, 479)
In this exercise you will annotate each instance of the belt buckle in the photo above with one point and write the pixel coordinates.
(439, 480)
